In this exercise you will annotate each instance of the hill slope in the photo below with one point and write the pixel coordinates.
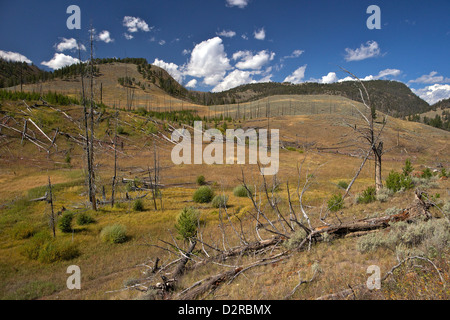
(152, 86)
(391, 97)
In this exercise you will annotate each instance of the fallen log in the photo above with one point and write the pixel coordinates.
(207, 284)
(420, 208)
(239, 251)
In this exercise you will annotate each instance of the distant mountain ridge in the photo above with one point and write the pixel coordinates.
(391, 97)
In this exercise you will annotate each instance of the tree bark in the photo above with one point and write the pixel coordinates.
(378, 152)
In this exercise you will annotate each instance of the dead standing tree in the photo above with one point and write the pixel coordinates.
(89, 139)
(91, 144)
(369, 133)
(113, 192)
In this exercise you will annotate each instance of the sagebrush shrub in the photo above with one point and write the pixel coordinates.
(220, 201)
(295, 240)
(383, 194)
(429, 238)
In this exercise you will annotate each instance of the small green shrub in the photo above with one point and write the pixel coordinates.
(343, 185)
(203, 195)
(408, 168)
(114, 234)
(84, 219)
(138, 205)
(368, 196)
(220, 201)
(443, 173)
(397, 181)
(427, 174)
(241, 192)
(201, 181)
(187, 222)
(335, 203)
(65, 223)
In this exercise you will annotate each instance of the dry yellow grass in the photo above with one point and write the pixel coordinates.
(105, 267)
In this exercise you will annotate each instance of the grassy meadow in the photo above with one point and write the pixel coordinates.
(314, 130)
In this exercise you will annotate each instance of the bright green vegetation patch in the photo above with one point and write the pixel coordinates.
(114, 234)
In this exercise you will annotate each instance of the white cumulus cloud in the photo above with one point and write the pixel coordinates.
(234, 79)
(369, 50)
(432, 77)
(250, 61)
(295, 54)
(128, 36)
(171, 68)
(329, 78)
(238, 3)
(14, 57)
(68, 44)
(192, 83)
(433, 93)
(226, 33)
(105, 36)
(260, 34)
(134, 24)
(60, 60)
(297, 76)
(383, 74)
(209, 61)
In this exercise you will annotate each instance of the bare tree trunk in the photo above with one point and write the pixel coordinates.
(115, 158)
(52, 214)
(377, 154)
(86, 128)
(93, 200)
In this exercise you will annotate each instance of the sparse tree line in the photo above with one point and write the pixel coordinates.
(50, 97)
(440, 122)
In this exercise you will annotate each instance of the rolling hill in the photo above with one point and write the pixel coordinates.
(133, 81)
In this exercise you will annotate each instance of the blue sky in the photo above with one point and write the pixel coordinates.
(213, 45)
